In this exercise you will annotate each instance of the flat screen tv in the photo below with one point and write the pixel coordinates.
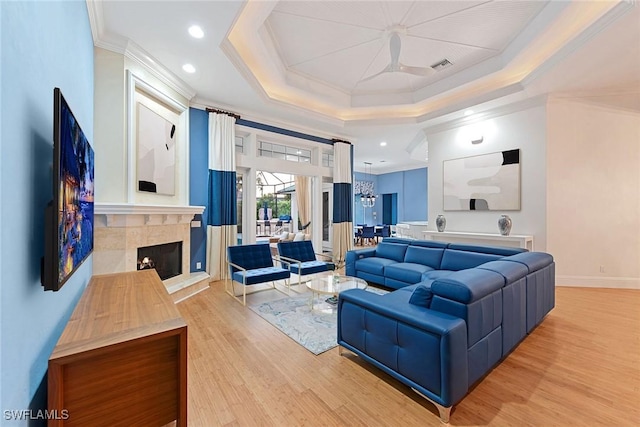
(69, 216)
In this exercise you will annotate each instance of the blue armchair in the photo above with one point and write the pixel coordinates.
(253, 265)
(302, 258)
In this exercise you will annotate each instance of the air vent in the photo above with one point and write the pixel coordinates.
(445, 63)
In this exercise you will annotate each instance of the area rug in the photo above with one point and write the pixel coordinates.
(315, 330)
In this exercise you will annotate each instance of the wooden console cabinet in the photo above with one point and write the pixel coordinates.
(122, 357)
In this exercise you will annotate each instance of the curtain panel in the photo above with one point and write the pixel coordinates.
(342, 201)
(303, 196)
(221, 209)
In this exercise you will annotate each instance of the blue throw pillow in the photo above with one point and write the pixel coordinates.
(421, 296)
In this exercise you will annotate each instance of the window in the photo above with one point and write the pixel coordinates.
(283, 152)
(239, 144)
(327, 160)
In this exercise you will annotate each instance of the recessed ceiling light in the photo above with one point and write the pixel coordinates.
(468, 112)
(382, 144)
(189, 68)
(196, 32)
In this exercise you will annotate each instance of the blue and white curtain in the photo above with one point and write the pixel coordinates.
(222, 216)
(342, 201)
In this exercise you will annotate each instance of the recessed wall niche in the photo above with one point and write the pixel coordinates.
(157, 145)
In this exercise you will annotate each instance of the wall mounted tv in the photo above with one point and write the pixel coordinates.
(69, 216)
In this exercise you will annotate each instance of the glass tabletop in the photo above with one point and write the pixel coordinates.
(333, 285)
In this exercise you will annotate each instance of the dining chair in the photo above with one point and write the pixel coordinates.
(368, 233)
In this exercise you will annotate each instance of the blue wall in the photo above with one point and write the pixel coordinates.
(363, 215)
(411, 187)
(414, 201)
(44, 45)
(198, 182)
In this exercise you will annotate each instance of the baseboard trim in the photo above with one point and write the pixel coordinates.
(598, 282)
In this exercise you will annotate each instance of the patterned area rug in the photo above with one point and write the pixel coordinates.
(315, 330)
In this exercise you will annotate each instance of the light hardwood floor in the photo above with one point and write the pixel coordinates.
(580, 367)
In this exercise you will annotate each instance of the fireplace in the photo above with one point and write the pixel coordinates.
(122, 231)
(166, 259)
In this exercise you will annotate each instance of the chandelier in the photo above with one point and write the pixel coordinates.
(368, 199)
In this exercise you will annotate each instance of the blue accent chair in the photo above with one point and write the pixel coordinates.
(253, 265)
(302, 259)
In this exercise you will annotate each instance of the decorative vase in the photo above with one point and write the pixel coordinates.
(441, 223)
(504, 225)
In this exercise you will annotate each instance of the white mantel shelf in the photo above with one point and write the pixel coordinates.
(131, 209)
(130, 215)
(521, 240)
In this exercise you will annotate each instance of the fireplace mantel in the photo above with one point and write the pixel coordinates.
(121, 228)
(130, 215)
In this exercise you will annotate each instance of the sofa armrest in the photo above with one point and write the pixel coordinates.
(420, 317)
(354, 255)
(424, 349)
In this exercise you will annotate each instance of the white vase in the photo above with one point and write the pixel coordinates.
(441, 223)
(504, 225)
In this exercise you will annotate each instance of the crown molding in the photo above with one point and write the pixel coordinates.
(603, 22)
(488, 114)
(123, 46)
(101, 38)
(139, 55)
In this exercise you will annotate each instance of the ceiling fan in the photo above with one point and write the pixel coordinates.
(395, 65)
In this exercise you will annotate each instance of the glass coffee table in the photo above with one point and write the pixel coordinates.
(333, 285)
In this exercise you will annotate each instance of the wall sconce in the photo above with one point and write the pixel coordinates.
(478, 140)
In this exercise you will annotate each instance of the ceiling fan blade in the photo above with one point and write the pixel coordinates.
(416, 71)
(395, 45)
(387, 69)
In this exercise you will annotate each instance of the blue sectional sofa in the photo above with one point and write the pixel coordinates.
(456, 311)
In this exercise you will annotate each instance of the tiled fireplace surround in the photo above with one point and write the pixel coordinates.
(120, 229)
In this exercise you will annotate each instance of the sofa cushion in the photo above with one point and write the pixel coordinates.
(436, 274)
(311, 267)
(461, 260)
(393, 251)
(421, 296)
(467, 286)
(511, 271)
(261, 275)
(426, 256)
(428, 244)
(373, 265)
(493, 250)
(406, 271)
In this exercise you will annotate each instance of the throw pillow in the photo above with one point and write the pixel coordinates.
(284, 236)
(299, 237)
(421, 296)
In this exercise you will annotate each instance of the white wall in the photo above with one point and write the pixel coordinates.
(111, 127)
(593, 213)
(523, 129)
